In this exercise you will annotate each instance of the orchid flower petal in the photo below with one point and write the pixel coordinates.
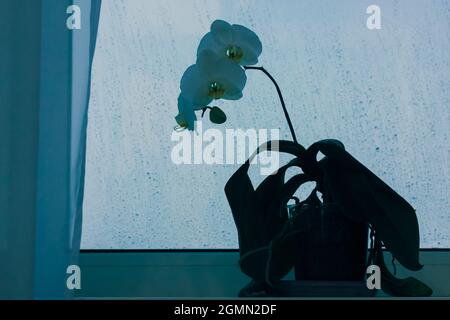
(222, 31)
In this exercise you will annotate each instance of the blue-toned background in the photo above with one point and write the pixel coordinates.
(384, 93)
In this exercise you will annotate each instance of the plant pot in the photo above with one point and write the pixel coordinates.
(333, 247)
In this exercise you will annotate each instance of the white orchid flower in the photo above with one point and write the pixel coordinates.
(186, 114)
(235, 42)
(212, 77)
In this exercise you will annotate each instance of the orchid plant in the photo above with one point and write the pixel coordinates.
(223, 56)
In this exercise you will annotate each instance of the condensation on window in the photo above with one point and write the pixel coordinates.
(384, 93)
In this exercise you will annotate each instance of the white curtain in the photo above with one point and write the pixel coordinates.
(45, 80)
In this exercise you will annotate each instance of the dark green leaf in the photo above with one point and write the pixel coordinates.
(364, 197)
(407, 287)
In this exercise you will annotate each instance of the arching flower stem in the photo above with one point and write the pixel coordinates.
(204, 110)
(283, 105)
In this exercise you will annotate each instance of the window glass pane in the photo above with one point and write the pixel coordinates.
(384, 93)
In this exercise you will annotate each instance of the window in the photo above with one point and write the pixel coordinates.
(384, 93)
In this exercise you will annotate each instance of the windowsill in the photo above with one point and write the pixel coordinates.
(203, 274)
